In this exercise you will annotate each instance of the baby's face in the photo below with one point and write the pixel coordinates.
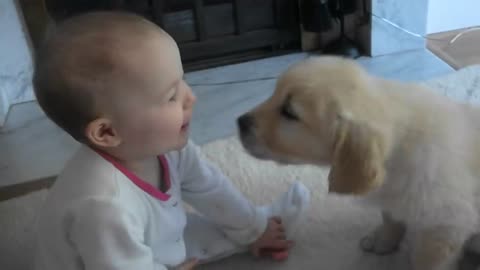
(153, 108)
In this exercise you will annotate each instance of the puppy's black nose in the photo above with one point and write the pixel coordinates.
(245, 122)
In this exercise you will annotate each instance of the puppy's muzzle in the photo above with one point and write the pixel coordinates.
(246, 126)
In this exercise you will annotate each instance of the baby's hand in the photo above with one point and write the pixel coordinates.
(187, 265)
(272, 241)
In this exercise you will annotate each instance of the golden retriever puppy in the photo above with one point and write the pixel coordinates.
(399, 147)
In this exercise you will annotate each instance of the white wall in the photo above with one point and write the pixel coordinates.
(445, 15)
(15, 59)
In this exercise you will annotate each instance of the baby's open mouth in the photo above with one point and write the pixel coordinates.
(185, 126)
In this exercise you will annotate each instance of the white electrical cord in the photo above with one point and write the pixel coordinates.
(476, 28)
(397, 26)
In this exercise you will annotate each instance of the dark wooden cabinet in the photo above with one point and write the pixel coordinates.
(210, 32)
(215, 32)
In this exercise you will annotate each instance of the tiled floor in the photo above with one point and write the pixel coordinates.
(31, 147)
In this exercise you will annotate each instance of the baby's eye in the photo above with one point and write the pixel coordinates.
(173, 97)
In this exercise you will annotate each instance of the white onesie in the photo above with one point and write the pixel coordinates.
(99, 215)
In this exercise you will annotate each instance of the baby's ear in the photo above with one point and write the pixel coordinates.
(100, 132)
(358, 159)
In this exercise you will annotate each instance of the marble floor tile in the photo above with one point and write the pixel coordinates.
(398, 26)
(415, 65)
(31, 146)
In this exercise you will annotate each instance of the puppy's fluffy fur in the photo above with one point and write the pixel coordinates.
(399, 147)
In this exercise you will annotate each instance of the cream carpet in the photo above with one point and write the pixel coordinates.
(327, 240)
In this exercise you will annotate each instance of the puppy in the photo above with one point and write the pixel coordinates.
(399, 147)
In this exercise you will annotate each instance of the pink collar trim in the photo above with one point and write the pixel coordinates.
(145, 186)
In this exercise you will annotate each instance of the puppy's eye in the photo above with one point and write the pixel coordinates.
(288, 112)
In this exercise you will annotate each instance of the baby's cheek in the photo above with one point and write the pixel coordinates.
(162, 125)
(165, 127)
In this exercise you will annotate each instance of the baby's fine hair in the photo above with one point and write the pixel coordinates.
(81, 59)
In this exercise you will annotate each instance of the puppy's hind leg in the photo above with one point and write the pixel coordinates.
(438, 248)
(439, 240)
(386, 238)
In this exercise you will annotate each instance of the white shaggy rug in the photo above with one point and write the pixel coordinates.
(327, 240)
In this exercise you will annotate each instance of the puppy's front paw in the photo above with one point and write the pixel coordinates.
(383, 241)
(377, 245)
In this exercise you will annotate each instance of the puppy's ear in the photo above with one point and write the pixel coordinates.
(358, 159)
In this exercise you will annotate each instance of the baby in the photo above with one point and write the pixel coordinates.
(114, 82)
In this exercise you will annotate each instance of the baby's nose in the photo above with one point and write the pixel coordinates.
(190, 99)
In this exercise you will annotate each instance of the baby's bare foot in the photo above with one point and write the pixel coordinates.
(272, 240)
